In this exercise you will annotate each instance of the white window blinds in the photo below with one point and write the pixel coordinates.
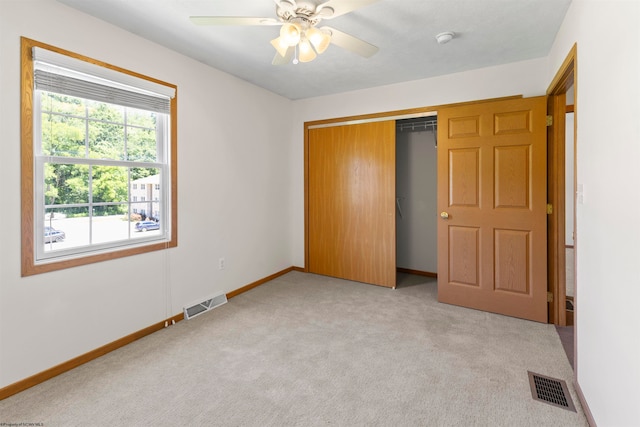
(58, 73)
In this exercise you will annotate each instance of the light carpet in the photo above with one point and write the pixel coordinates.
(310, 350)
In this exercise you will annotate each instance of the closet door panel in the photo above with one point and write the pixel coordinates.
(351, 196)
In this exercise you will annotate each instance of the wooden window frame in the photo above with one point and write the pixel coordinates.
(29, 265)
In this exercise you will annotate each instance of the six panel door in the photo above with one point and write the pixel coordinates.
(492, 199)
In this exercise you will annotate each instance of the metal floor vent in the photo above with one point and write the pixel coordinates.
(197, 308)
(551, 391)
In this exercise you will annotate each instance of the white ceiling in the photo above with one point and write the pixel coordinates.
(488, 32)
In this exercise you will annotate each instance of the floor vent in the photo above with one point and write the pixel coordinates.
(197, 308)
(551, 391)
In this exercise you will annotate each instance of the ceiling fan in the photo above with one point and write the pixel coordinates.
(300, 37)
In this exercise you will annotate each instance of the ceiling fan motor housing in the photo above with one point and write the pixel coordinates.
(301, 11)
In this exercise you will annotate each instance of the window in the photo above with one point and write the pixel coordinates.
(157, 186)
(93, 130)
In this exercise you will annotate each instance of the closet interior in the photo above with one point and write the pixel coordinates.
(416, 195)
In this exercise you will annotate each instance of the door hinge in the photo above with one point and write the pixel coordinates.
(549, 120)
(549, 209)
(549, 296)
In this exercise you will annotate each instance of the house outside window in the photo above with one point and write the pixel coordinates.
(148, 191)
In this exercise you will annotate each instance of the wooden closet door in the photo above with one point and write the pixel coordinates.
(492, 197)
(351, 196)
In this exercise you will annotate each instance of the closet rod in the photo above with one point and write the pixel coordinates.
(427, 125)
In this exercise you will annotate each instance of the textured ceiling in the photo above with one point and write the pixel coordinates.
(488, 32)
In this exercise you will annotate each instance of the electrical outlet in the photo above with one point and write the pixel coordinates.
(221, 264)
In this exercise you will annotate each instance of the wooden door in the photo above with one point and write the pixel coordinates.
(351, 202)
(492, 186)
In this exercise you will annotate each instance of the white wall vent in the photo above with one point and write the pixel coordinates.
(197, 308)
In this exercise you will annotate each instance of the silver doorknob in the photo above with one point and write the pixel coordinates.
(444, 215)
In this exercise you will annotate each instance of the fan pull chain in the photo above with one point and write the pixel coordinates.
(295, 57)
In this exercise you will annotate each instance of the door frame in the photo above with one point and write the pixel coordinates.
(565, 77)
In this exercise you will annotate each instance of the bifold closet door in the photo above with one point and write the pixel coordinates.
(351, 196)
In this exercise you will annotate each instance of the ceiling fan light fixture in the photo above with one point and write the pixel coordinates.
(319, 39)
(290, 34)
(300, 40)
(306, 52)
(280, 45)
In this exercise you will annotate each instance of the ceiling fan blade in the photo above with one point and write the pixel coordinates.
(286, 4)
(351, 43)
(340, 7)
(232, 20)
(286, 59)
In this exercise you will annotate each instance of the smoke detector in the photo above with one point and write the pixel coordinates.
(445, 37)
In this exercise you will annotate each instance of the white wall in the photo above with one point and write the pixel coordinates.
(233, 199)
(416, 193)
(608, 167)
(527, 78)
